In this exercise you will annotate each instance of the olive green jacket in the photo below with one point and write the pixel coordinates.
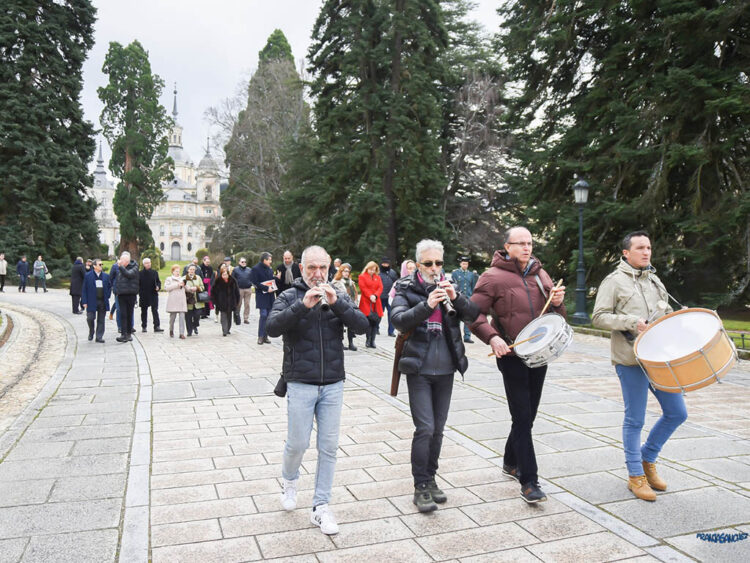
(626, 295)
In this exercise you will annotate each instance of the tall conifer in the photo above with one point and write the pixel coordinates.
(45, 143)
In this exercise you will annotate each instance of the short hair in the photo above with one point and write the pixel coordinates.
(77, 257)
(175, 266)
(265, 256)
(509, 232)
(314, 249)
(242, 258)
(626, 241)
(191, 266)
(428, 244)
(97, 261)
(146, 260)
(125, 253)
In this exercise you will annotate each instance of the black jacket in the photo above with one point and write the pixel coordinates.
(313, 347)
(150, 284)
(389, 277)
(281, 269)
(127, 279)
(410, 312)
(225, 294)
(76, 278)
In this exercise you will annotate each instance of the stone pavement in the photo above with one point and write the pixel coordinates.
(169, 450)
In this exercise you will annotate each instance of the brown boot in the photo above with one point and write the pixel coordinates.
(640, 487)
(652, 476)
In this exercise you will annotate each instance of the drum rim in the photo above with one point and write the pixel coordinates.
(545, 316)
(690, 355)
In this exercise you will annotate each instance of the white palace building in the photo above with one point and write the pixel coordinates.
(190, 205)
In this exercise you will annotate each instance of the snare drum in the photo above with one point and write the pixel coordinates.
(685, 350)
(553, 336)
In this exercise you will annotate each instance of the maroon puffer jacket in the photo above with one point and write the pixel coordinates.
(513, 300)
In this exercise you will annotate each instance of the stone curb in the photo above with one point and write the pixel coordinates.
(24, 420)
(134, 539)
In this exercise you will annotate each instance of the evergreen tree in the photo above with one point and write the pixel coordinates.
(274, 115)
(375, 183)
(45, 143)
(649, 101)
(136, 127)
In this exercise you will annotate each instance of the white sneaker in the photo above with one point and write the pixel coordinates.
(289, 494)
(322, 516)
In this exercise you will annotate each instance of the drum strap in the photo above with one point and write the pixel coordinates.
(541, 287)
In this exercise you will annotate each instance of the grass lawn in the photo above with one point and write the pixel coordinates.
(164, 273)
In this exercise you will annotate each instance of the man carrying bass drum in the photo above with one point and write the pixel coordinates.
(514, 291)
(626, 301)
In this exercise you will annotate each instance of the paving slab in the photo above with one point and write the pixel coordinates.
(685, 511)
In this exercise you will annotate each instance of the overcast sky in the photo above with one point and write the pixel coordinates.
(206, 46)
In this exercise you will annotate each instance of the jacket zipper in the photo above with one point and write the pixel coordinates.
(322, 352)
(531, 305)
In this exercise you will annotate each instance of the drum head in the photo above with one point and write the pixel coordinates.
(677, 335)
(544, 329)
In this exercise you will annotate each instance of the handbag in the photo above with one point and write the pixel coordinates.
(48, 276)
(202, 297)
(373, 316)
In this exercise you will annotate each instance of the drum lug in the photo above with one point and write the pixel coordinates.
(716, 375)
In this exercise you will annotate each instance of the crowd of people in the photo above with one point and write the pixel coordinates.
(316, 305)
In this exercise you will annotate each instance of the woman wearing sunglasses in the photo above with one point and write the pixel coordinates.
(427, 310)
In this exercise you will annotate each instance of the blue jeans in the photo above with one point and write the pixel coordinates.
(305, 402)
(635, 387)
(262, 322)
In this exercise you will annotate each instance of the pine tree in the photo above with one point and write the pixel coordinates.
(45, 143)
(375, 184)
(274, 115)
(650, 103)
(136, 127)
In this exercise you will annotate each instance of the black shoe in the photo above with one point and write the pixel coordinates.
(468, 341)
(45, 291)
(437, 495)
(266, 340)
(531, 493)
(100, 340)
(195, 330)
(423, 498)
(144, 329)
(260, 340)
(123, 338)
(132, 331)
(157, 329)
(352, 347)
(510, 471)
(246, 322)
(393, 334)
(91, 337)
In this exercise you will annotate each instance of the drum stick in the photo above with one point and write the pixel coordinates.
(517, 343)
(549, 300)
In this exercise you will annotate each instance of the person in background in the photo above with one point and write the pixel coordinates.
(127, 293)
(207, 275)
(3, 271)
(226, 297)
(149, 286)
(343, 282)
(22, 269)
(264, 297)
(95, 299)
(371, 287)
(287, 272)
(40, 274)
(193, 285)
(408, 267)
(77, 273)
(194, 262)
(388, 276)
(244, 276)
(466, 280)
(176, 300)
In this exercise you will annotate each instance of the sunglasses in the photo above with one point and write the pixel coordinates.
(429, 263)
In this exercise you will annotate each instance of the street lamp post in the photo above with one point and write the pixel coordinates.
(580, 317)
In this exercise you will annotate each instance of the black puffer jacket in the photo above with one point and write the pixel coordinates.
(313, 347)
(128, 279)
(410, 311)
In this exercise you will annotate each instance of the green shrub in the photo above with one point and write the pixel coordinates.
(201, 252)
(157, 260)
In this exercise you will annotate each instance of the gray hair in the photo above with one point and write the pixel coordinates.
(147, 260)
(509, 233)
(428, 244)
(314, 250)
(125, 254)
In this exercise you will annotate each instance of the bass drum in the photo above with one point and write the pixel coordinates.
(685, 350)
(550, 336)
